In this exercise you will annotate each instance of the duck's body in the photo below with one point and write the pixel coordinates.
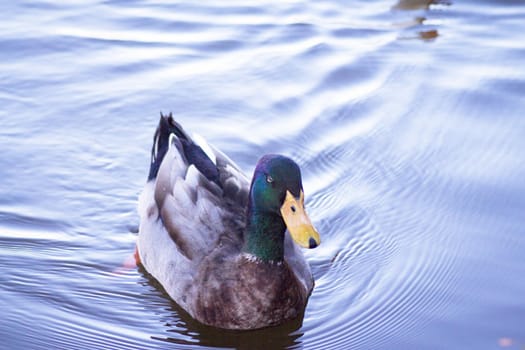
(223, 258)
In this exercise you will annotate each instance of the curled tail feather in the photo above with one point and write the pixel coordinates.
(191, 151)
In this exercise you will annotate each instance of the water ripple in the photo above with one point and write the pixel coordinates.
(411, 154)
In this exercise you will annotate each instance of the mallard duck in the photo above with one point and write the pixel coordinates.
(218, 244)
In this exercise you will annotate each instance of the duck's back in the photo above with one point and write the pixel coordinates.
(193, 199)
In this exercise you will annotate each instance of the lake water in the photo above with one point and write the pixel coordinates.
(407, 120)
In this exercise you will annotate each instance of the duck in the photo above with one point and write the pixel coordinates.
(226, 249)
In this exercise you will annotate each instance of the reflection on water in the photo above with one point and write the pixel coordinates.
(418, 4)
(411, 152)
(428, 34)
(418, 22)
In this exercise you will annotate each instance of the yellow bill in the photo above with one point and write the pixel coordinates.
(298, 223)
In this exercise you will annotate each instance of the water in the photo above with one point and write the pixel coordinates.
(407, 121)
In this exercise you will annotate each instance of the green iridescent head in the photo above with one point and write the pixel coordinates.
(273, 176)
(276, 194)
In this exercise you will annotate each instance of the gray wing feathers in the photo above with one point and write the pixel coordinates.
(187, 201)
(235, 184)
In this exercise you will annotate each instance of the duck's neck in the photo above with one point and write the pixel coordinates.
(264, 236)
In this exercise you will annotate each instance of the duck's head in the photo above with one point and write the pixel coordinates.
(277, 189)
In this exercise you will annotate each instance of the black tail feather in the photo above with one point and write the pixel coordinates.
(160, 144)
(193, 152)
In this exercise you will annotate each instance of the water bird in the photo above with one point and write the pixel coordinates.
(218, 244)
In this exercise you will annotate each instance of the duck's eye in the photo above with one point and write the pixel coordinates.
(293, 208)
(269, 179)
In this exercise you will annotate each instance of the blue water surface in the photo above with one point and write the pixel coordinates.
(406, 118)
